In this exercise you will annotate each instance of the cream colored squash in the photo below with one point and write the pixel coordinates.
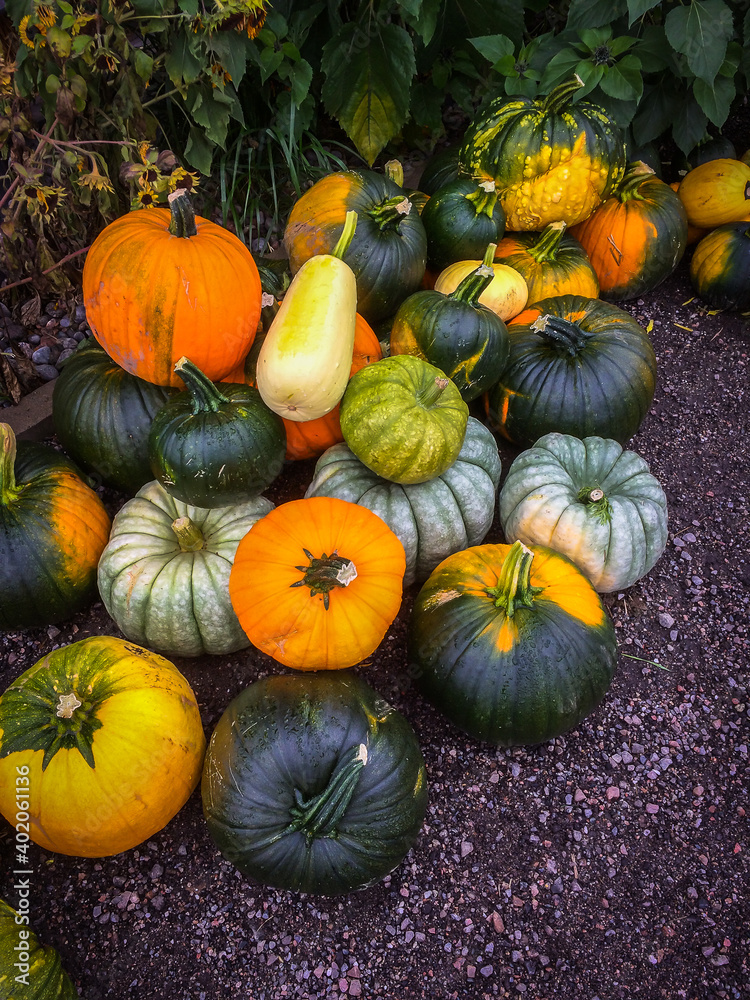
(304, 363)
(507, 293)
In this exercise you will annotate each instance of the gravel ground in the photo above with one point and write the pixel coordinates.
(611, 862)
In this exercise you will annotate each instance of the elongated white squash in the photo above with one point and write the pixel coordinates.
(304, 363)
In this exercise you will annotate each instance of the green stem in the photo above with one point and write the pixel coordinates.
(320, 815)
(569, 336)
(205, 395)
(182, 223)
(347, 234)
(635, 174)
(596, 503)
(8, 489)
(431, 393)
(548, 244)
(514, 588)
(391, 211)
(474, 284)
(560, 96)
(189, 535)
(484, 199)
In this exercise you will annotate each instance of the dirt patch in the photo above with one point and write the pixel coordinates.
(611, 862)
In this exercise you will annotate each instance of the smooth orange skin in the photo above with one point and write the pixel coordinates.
(547, 278)
(152, 298)
(327, 203)
(288, 622)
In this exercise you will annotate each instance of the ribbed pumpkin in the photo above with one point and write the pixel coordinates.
(314, 783)
(317, 582)
(506, 295)
(164, 574)
(590, 500)
(455, 333)
(460, 219)
(24, 959)
(551, 159)
(53, 528)
(551, 263)
(387, 252)
(577, 365)
(716, 192)
(161, 283)
(404, 419)
(720, 267)
(432, 519)
(102, 415)
(637, 237)
(213, 448)
(512, 644)
(113, 742)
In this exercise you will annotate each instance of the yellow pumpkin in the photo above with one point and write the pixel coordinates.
(507, 293)
(101, 743)
(716, 192)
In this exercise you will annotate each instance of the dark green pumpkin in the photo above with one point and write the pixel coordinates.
(460, 219)
(511, 643)
(720, 267)
(213, 448)
(440, 169)
(53, 529)
(577, 365)
(462, 338)
(313, 782)
(387, 252)
(713, 148)
(102, 416)
(29, 970)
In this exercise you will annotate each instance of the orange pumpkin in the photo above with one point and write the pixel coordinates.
(161, 283)
(316, 583)
(310, 438)
(551, 263)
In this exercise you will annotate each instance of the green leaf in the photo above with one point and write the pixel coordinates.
(715, 100)
(367, 83)
(637, 8)
(594, 13)
(143, 64)
(300, 79)
(213, 113)
(270, 60)
(689, 124)
(427, 107)
(701, 33)
(411, 6)
(303, 20)
(624, 80)
(181, 62)
(199, 150)
(590, 74)
(592, 38)
(425, 23)
(276, 23)
(493, 47)
(656, 111)
(560, 67)
(189, 7)
(621, 112)
(623, 43)
(18, 9)
(230, 49)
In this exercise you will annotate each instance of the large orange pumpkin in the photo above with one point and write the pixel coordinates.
(316, 583)
(310, 438)
(160, 284)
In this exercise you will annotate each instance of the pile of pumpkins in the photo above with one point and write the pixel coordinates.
(408, 330)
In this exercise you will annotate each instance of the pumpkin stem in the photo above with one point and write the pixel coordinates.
(484, 199)
(514, 588)
(205, 395)
(596, 503)
(432, 392)
(8, 489)
(634, 176)
(347, 233)
(391, 211)
(320, 815)
(189, 535)
(559, 97)
(182, 222)
(394, 171)
(570, 337)
(546, 247)
(323, 574)
(474, 284)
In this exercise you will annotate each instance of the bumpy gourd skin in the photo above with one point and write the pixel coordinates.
(551, 160)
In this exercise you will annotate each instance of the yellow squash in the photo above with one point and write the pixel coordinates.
(507, 293)
(304, 363)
